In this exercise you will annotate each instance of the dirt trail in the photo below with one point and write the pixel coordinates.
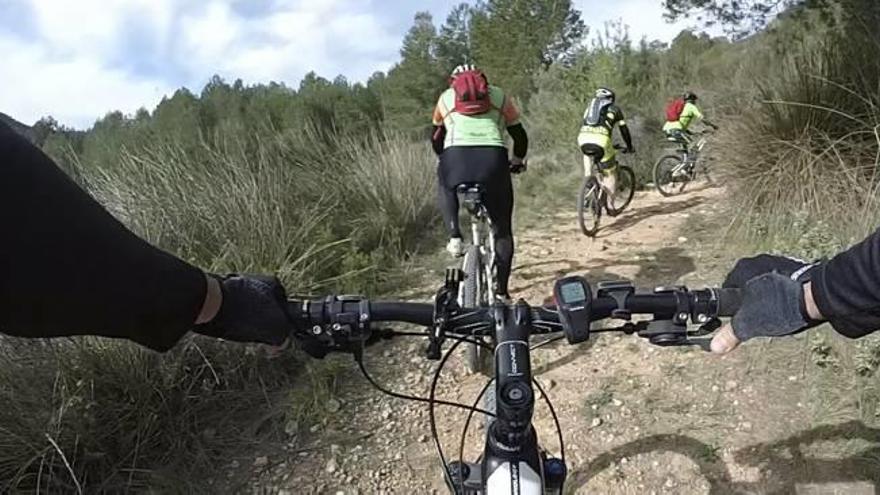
(636, 419)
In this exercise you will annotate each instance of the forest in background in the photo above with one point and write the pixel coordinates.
(330, 184)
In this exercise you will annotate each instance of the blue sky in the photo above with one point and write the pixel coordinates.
(79, 59)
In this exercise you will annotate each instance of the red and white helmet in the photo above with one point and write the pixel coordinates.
(463, 68)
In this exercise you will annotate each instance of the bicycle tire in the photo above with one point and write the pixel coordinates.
(663, 176)
(588, 206)
(625, 175)
(471, 287)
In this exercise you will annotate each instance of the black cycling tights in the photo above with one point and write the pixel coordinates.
(489, 166)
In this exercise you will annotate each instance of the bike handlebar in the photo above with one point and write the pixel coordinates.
(677, 304)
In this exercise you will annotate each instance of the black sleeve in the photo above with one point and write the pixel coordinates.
(438, 136)
(67, 267)
(520, 140)
(847, 288)
(627, 137)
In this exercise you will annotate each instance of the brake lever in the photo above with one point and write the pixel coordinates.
(666, 333)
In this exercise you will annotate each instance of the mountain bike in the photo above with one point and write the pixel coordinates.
(673, 172)
(593, 196)
(478, 285)
(512, 461)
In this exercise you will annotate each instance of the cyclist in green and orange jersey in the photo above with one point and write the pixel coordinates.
(469, 123)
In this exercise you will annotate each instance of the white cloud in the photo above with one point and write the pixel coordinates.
(75, 89)
(92, 56)
(643, 17)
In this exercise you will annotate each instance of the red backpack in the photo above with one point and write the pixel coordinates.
(674, 110)
(471, 93)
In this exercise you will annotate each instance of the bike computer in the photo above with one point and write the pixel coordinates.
(573, 301)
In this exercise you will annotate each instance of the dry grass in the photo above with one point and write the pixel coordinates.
(96, 415)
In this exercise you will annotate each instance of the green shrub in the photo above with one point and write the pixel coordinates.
(804, 162)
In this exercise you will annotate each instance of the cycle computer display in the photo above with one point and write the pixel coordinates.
(573, 301)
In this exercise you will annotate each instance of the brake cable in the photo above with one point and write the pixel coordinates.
(546, 342)
(431, 419)
(431, 400)
(467, 423)
(555, 419)
(398, 395)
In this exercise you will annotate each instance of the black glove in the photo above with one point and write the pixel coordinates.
(253, 310)
(773, 296)
(749, 268)
(630, 150)
(518, 166)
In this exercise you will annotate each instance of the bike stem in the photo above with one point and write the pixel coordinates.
(511, 437)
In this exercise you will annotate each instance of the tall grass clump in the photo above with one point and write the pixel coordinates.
(804, 160)
(96, 415)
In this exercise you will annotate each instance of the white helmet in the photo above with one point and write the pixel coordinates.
(463, 68)
(605, 94)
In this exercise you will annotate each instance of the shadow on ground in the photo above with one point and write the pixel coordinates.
(633, 216)
(783, 465)
(663, 267)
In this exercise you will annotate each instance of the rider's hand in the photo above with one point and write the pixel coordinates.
(776, 300)
(630, 150)
(253, 309)
(518, 165)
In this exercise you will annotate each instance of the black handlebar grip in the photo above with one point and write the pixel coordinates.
(729, 301)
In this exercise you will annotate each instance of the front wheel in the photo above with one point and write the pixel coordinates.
(473, 288)
(670, 175)
(589, 206)
(624, 191)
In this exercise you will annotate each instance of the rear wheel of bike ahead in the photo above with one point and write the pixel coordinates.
(589, 207)
(670, 175)
(625, 190)
(474, 291)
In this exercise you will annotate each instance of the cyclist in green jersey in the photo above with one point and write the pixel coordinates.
(677, 130)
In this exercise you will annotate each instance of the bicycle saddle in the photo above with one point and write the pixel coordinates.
(470, 187)
(472, 195)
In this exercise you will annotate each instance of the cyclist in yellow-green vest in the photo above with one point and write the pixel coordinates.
(469, 124)
(677, 130)
(600, 118)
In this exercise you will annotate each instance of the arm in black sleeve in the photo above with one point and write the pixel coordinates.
(627, 137)
(67, 267)
(438, 136)
(847, 288)
(520, 140)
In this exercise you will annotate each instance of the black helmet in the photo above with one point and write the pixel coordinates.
(689, 96)
(605, 94)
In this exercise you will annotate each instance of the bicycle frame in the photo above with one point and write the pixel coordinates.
(690, 155)
(480, 222)
(592, 169)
